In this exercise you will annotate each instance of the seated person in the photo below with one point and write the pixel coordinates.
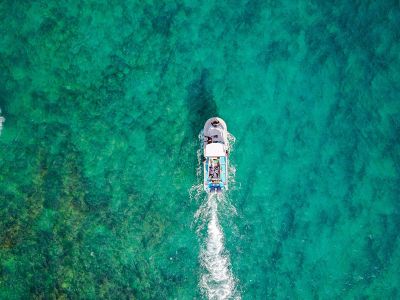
(211, 172)
(215, 123)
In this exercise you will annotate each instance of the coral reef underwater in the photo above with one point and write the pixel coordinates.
(103, 102)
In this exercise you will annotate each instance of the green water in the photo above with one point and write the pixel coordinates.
(103, 104)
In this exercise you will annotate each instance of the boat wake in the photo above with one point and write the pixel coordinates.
(216, 277)
(216, 280)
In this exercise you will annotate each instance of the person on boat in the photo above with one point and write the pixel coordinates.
(215, 123)
(211, 171)
(217, 171)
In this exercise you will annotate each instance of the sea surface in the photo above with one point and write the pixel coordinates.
(102, 104)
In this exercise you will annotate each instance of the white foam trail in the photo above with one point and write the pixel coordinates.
(200, 154)
(217, 281)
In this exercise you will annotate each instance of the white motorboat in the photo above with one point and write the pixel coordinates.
(215, 156)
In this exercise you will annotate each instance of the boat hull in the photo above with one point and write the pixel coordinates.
(215, 162)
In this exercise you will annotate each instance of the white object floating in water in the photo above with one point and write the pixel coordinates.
(1, 122)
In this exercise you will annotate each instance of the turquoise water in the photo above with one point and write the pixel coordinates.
(103, 104)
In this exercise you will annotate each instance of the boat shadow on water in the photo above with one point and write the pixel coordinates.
(200, 103)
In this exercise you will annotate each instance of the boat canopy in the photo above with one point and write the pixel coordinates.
(215, 149)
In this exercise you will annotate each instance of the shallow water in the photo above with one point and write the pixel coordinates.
(103, 105)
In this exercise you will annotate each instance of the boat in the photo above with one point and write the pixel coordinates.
(215, 158)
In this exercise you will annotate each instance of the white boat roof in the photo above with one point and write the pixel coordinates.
(215, 149)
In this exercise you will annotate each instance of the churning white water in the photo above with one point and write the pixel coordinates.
(217, 280)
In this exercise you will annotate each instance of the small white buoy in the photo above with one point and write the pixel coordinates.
(2, 119)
